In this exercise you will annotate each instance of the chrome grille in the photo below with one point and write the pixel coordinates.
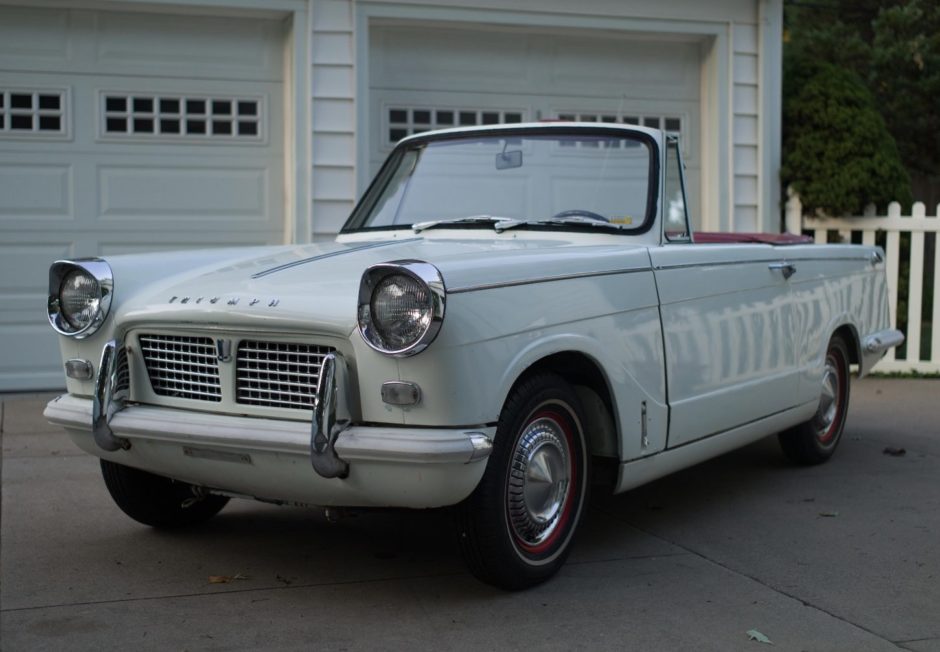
(182, 366)
(278, 374)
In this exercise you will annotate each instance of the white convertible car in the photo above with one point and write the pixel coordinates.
(510, 313)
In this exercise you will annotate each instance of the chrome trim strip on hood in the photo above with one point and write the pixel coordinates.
(371, 245)
(546, 279)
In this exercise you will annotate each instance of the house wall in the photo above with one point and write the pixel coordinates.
(741, 54)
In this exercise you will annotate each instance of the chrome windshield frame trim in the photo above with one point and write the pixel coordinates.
(101, 272)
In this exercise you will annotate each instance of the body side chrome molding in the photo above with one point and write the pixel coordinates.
(788, 259)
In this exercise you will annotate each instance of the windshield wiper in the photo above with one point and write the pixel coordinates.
(499, 223)
(564, 221)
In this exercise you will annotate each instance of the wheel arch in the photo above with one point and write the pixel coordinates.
(586, 375)
(849, 335)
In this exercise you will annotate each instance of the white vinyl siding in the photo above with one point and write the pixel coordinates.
(334, 116)
(746, 130)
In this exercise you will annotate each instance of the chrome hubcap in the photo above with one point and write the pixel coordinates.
(539, 481)
(828, 400)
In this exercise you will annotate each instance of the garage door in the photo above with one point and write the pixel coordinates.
(435, 77)
(127, 132)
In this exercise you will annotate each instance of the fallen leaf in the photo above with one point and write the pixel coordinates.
(226, 579)
(828, 514)
(894, 452)
(754, 635)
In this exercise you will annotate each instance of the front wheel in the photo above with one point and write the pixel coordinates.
(158, 501)
(814, 441)
(516, 529)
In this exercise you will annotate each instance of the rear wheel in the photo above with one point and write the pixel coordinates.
(814, 441)
(516, 529)
(158, 501)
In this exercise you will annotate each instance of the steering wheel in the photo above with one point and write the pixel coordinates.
(583, 212)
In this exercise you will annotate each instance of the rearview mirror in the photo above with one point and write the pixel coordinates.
(506, 160)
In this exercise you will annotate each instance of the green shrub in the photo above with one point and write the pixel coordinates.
(837, 152)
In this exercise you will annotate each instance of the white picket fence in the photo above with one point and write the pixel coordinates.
(893, 224)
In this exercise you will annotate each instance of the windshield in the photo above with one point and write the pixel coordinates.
(557, 180)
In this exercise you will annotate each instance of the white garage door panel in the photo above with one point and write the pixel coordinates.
(150, 192)
(513, 62)
(443, 59)
(34, 37)
(160, 45)
(35, 191)
(604, 68)
(147, 180)
(34, 359)
(34, 362)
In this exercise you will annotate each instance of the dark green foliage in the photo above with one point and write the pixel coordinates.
(893, 47)
(905, 77)
(838, 154)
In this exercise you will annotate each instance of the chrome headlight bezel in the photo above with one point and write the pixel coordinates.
(424, 273)
(97, 269)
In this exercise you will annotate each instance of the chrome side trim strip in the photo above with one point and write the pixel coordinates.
(330, 418)
(342, 252)
(545, 279)
(726, 263)
(106, 401)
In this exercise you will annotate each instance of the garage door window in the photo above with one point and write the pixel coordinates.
(672, 124)
(180, 116)
(669, 123)
(405, 121)
(38, 112)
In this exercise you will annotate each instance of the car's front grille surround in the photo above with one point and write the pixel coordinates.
(278, 374)
(264, 373)
(182, 366)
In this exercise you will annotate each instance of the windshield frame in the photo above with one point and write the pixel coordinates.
(376, 187)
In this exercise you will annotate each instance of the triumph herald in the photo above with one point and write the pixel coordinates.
(509, 314)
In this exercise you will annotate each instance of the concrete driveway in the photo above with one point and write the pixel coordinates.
(840, 557)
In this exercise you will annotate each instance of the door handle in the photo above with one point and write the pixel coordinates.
(787, 269)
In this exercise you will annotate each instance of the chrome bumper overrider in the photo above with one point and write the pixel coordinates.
(330, 418)
(107, 401)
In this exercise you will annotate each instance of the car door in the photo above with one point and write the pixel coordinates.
(729, 338)
(728, 323)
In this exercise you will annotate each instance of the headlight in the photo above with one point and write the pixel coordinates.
(79, 295)
(401, 306)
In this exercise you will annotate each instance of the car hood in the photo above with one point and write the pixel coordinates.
(314, 288)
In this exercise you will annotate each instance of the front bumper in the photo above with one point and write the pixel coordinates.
(270, 459)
